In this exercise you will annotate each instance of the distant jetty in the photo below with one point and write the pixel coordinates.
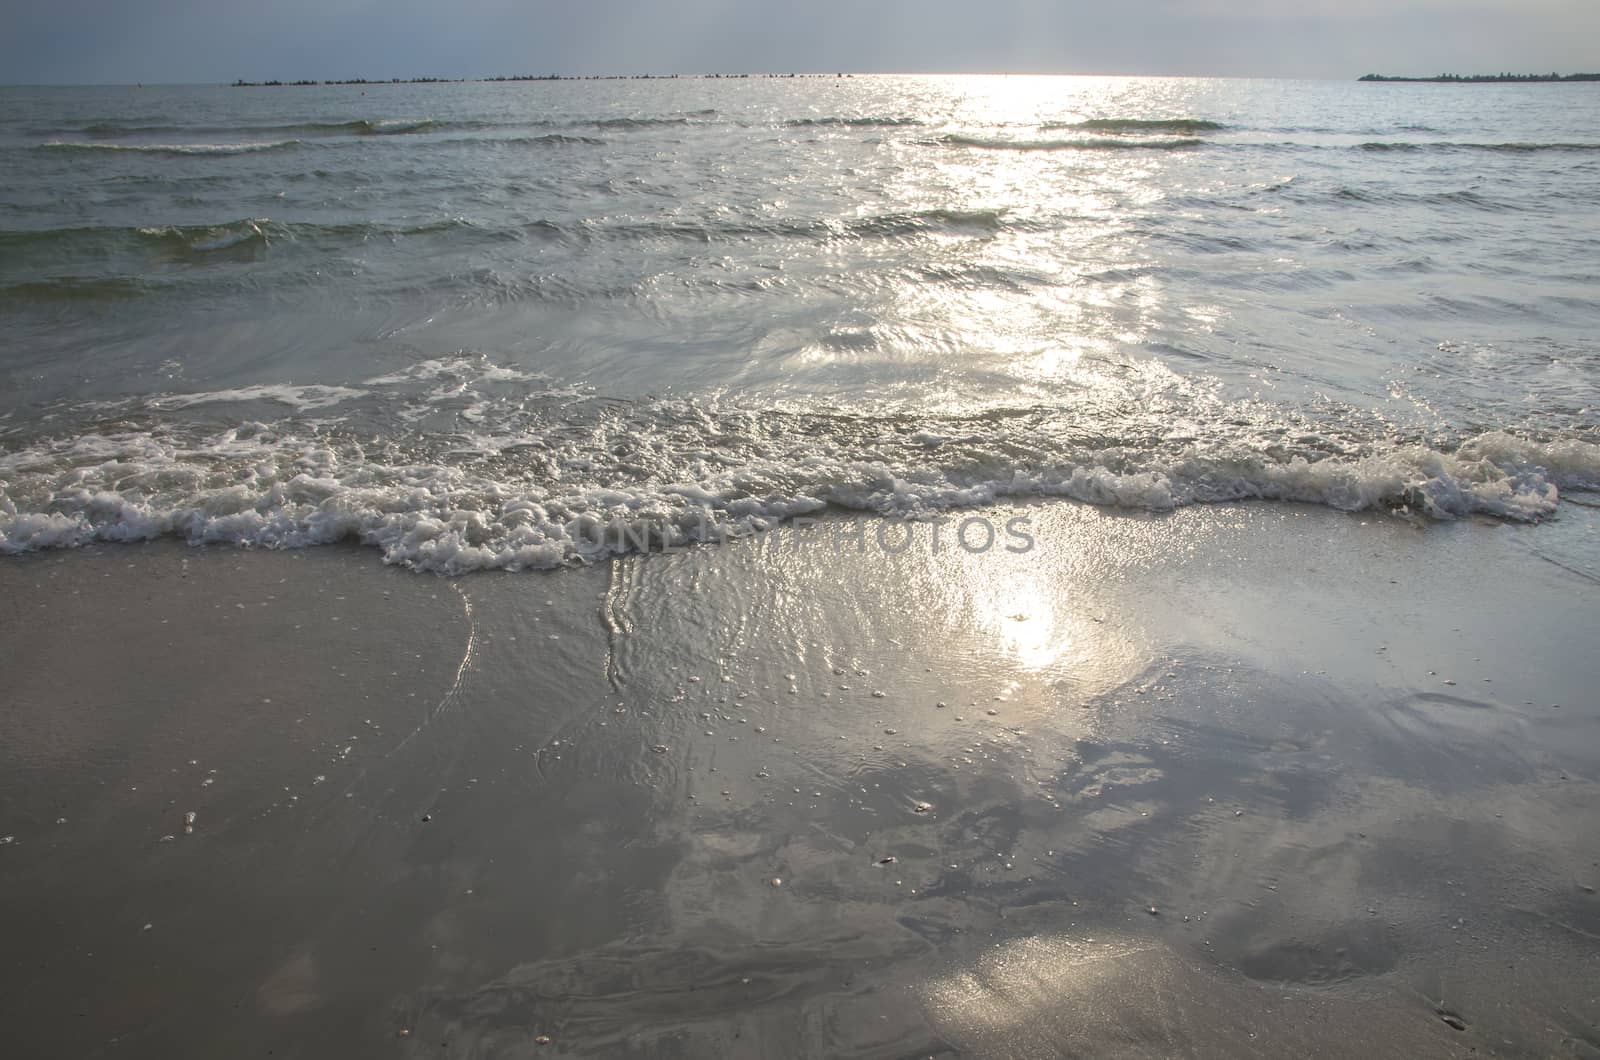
(242, 83)
(1487, 79)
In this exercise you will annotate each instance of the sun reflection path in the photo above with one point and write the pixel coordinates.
(1033, 603)
(1041, 268)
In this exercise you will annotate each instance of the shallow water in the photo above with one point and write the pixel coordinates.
(476, 325)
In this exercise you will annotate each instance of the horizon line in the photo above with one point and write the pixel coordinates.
(340, 82)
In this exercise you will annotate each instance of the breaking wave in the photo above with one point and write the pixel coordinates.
(565, 489)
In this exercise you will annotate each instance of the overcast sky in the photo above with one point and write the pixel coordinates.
(119, 41)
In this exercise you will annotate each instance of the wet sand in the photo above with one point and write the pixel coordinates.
(1253, 780)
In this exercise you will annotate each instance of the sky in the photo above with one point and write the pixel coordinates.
(126, 41)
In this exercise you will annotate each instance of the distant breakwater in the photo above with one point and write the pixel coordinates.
(242, 83)
(1486, 79)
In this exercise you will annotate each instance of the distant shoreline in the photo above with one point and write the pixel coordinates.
(1446, 79)
(242, 83)
(1487, 79)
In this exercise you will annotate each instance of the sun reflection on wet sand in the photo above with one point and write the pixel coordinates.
(1050, 996)
(1035, 615)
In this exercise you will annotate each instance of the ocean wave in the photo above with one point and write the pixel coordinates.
(345, 127)
(76, 289)
(569, 491)
(1364, 197)
(301, 398)
(246, 148)
(462, 370)
(549, 140)
(1468, 198)
(896, 225)
(1075, 144)
(948, 220)
(981, 277)
(200, 243)
(108, 129)
(167, 242)
(1146, 126)
(1504, 148)
(248, 136)
(632, 123)
(211, 238)
(387, 126)
(864, 122)
(552, 139)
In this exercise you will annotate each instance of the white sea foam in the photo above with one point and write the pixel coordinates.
(464, 368)
(517, 500)
(303, 398)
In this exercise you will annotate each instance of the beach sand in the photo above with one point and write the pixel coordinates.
(1245, 780)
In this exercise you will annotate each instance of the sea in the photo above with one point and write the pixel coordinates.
(484, 325)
